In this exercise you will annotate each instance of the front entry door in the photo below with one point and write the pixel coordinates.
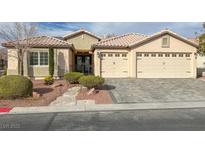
(83, 64)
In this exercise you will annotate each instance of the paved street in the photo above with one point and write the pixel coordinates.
(175, 119)
(156, 90)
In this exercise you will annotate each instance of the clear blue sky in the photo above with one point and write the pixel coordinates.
(186, 29)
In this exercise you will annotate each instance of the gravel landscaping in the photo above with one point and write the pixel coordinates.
(47, 95)
(101, 96)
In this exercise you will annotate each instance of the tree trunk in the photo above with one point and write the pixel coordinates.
(21, 63)
(21, 68)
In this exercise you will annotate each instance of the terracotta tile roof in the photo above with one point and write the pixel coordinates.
(81, 31)
(121, 41)
(41, 41)
(134, 39)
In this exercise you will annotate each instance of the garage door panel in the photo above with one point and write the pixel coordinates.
(114, 67)
(163, 67)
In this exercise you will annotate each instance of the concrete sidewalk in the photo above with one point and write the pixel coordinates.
(106, 107)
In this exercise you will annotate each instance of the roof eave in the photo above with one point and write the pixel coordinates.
(109, 47)
(161, 34)
(42, 46)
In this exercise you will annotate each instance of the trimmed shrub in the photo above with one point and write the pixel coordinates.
(15, 86)
(48, 80)
(51, 61)
(91, 81)
(72, 77)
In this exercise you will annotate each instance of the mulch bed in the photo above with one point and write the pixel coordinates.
(101, 96)
(48, 94)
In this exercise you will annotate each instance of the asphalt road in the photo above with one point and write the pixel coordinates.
(143, 120)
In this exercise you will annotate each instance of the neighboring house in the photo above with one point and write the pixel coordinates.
(162, 55)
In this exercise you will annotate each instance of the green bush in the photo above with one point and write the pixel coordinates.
(48, 80)
(15, 86)
(72, 77)
(91, 81)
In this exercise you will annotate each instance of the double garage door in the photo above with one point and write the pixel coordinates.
(114, 65)
(164, 65)
(148, 65)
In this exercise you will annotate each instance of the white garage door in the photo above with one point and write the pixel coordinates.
(164, 65)
(114, 65)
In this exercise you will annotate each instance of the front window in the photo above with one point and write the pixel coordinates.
(117, 55)
(38, 58)
(43, 58)
(146, 55)
(153, 55)
(166, 55)
(109, 54)
(34, 58)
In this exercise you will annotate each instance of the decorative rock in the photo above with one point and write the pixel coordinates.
(91, 91)
(67, 99)
(36, 95)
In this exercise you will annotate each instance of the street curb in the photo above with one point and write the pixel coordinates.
(105, 107)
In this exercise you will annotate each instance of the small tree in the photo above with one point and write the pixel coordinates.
(201, 49)
(201, 38)
(18, 36)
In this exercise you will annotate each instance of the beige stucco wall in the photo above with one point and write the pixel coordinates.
(12, 62)
(153, 46)
(63, 61)
(82, 41)
(176, 46)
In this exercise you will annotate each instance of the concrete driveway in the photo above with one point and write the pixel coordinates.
(156, 90)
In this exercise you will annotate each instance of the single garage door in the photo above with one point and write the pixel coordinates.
(164, 65)
(114, 65)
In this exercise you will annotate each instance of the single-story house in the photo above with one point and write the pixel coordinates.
(164, 54)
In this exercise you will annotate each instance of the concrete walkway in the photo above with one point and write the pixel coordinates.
(69, 99)
(82, 107)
